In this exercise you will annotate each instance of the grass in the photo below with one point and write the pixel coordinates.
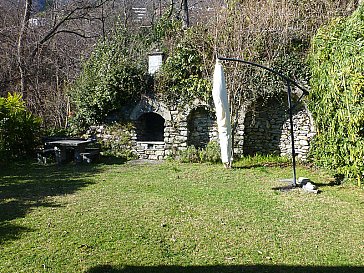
(176, 217)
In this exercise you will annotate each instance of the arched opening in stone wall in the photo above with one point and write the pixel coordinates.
(263, 127)
(267, 129)
(150, 127)
(200, 127)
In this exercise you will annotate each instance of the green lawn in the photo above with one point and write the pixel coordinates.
(175, 217)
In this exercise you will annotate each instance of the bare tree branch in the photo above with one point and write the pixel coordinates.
(51, 33)
(75, 33)
(185, 15)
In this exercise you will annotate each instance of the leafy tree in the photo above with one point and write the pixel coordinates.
(337, 66)
(115, 75)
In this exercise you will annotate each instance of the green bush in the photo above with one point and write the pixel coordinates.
(19, 129)
(336, 99)
(209, 154)
(190, 155)
(119, 143)
(185, 75)
(114, 76)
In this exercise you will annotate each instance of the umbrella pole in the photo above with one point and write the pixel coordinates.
(289, 82)
(294, 184)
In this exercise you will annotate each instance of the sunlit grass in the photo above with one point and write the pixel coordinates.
(75, 218)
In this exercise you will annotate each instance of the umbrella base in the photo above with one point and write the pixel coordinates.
(303, 183)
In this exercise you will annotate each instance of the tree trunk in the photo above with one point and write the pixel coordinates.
(171, 8)
(21, 45)
(185, 15)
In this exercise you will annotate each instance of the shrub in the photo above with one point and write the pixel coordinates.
(185, 75)
(114, 76)
(209, 154)
(118, 143)
(19, 129)
(337, 66)
(190, 155)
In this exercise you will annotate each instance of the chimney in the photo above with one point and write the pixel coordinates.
(155, 61)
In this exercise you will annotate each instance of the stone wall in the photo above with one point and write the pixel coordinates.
(192, 125)
(200, 125)
(152, 150)
(267, 129)
(262, 129)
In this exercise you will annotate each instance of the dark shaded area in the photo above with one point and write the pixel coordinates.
(227, 269)
(287, 185)
(285, 188)
(264, 165)
(10, 232)
(25, 186)
(150, 127)
(200, 125)
(112, 160)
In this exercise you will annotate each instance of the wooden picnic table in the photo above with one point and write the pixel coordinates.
(61, 146)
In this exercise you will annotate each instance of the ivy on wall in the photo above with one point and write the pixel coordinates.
(336, 99)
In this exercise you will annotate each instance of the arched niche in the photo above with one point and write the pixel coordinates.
(150, 127)
(200, 126)
(267, 128)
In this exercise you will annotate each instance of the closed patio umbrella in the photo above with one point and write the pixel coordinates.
(220, 97)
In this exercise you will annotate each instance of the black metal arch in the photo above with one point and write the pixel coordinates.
(288, 82)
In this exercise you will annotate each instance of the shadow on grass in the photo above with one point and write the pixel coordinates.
(112, 160)
(25, 186)
(263, 165)
(10, 232)
(227, 269)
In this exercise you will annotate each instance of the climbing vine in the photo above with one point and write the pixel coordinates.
(337, 67)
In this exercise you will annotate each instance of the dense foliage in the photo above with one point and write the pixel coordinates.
(272, 33)
(185, 76)
(19, 129)
(114, 76)
(336, 100)
(267, 33)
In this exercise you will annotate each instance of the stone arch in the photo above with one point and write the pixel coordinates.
(150, 127)
(267, 130)
(200, 127)
(150, 105)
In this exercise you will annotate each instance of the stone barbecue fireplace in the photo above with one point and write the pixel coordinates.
(150, 127)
